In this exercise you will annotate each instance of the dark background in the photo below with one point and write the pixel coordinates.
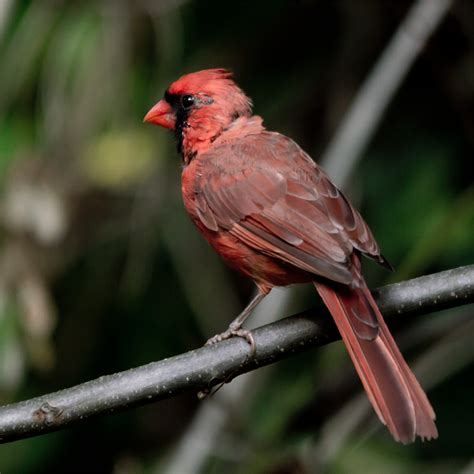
(101, 270)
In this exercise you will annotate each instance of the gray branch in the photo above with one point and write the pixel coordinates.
(367, 109)
(205, 367)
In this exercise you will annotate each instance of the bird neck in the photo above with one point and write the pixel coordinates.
(194, 140)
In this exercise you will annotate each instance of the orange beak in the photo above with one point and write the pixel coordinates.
(161, 114)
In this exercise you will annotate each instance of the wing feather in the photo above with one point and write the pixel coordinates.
(269, 194)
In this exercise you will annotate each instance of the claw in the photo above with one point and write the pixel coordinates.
(234, 332)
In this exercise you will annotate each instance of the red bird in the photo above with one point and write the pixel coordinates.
(273, 214)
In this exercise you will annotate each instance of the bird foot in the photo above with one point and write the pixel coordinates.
(234, 332)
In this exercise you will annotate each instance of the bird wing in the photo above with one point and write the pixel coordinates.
(266, 191)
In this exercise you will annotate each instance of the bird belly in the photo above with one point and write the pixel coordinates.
(263, 269)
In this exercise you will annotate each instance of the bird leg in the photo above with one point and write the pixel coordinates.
(235, 327)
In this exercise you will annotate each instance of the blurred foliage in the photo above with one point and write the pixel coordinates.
(100, 270)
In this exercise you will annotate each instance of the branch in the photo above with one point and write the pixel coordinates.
(207, 366)
(368, 107)
(5, 9)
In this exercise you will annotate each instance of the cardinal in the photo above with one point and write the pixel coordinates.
(273, 214)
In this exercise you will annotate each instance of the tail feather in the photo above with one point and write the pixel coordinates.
(391, 386)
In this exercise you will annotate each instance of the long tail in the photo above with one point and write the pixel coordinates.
(391, 386)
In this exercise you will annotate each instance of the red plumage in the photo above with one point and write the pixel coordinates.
(272, 213)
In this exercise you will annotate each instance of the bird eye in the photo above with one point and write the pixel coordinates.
(187, 101)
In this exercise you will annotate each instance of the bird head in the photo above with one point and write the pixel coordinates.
(199, 106)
